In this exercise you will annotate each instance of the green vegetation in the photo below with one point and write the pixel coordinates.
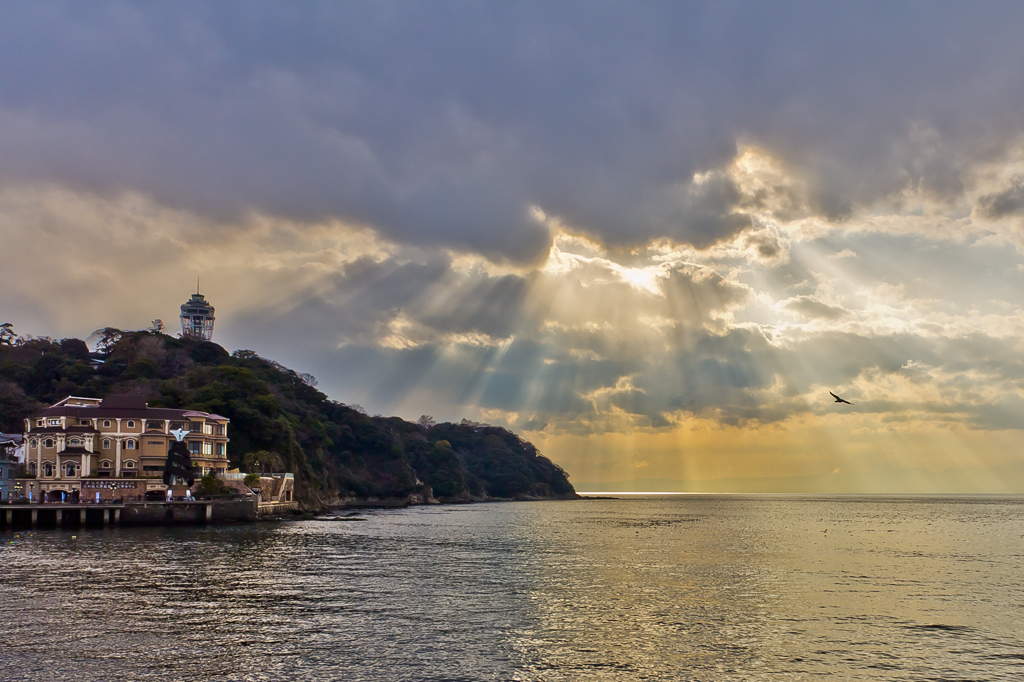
(210, 485)
(279, 420)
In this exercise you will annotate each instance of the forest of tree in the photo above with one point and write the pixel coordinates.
(279, 420)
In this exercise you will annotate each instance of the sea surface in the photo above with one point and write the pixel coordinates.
(688, 587)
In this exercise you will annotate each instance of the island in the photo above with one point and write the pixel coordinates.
(280, 421)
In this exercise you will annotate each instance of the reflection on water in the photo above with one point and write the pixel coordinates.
(689, 587)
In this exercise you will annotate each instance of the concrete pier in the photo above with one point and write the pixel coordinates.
(175, 513)
(35, 515)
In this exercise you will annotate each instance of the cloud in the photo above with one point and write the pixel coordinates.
(812, 308)
(443, 125)
(594, 340)
(1008, 202)
(572, 219)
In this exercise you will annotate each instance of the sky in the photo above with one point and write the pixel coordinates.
(648, 237)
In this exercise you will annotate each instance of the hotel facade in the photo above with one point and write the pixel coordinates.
(81, 448)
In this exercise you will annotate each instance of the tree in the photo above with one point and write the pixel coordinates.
(261, 460)
(309, 380)
(211, 485)
(7, 335)
(105, 339)
(426, 421)
(157, 327)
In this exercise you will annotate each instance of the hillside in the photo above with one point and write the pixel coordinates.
(279, 420)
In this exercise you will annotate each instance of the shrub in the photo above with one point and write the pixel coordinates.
(211, 485)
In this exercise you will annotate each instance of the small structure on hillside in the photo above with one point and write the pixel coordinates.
(197, 317)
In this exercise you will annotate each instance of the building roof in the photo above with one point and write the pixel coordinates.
(123, 406)
(77, 401)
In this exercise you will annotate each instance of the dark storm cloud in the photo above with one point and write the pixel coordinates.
(444, 122)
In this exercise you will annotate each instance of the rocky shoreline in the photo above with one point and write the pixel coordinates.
(425, 499)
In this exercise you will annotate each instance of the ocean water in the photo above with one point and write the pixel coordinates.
(694, 587)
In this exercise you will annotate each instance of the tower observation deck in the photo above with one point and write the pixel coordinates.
(197, 318)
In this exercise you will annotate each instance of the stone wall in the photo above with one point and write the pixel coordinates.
(187, 513)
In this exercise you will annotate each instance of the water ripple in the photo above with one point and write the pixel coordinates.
(697, 588)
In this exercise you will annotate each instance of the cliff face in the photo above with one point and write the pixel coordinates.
(280, 421)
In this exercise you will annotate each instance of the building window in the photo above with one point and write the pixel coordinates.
(106, 423)
(33, 443)
(177, 425)
(48, 443)
(40, 422)
(70, 469)
(193, 447)
(75, 441)
(130, 464)
(196, 427)
(32, 468)
(47, 468)
(130, 424)
(154, 425)
(54, 422)
(105, 464)
(221, 450)
(129, 444)
(106, 443)
(83, 422)
(220, 429)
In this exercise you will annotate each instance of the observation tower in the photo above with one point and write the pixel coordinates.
(197, 317)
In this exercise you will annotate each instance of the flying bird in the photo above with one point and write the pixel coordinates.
(838, 399)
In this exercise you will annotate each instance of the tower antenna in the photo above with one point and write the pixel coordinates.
(197, 284)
